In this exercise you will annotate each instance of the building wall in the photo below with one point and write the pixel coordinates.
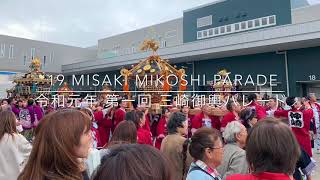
(303, 69)
(264, 64)
(228, 12)
(16, 54)
(168, 34)
(171, 33)
(303, 66)
(305, 14)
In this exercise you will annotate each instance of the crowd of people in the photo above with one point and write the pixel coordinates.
(259, 141)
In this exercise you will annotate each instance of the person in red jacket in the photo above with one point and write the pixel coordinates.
(260, 110)
(144, 136)
(120, 113)
(272, 106)
(138, 117)
(233, 114)
(205, 120)
(142, 107)
(299, 121)
(162, 127)
(316, 121)
(104, 124)
(272, 152)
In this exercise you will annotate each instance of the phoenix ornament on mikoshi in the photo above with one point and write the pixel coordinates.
(152, 66)
(223, 87)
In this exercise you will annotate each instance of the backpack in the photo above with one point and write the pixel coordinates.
(25, 118)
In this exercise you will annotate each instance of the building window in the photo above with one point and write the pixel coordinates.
(24, 60)
(257, 22)
(222, 30)
(44, 61)
(163, 43)
(204, 21)
(229, 28)
(11, 51)
(272, 20)
(52, 57)
(237, 27)
(250, 24)
(216, 31)
(33, 53)
(160, 40)
(199, 34)
(205, 34)
(116, 49)
(133, 49)
(243, 25)
(264, 21)
(210, 32)
(3, 50)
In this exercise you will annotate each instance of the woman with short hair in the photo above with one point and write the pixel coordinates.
(206, 148)
(175, 146)
(234, 157)
(63, 140)
(272, 152)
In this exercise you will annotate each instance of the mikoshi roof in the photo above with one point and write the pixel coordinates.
(35, 75)
(153, 65)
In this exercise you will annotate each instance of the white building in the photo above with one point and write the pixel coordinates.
(17, 53)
